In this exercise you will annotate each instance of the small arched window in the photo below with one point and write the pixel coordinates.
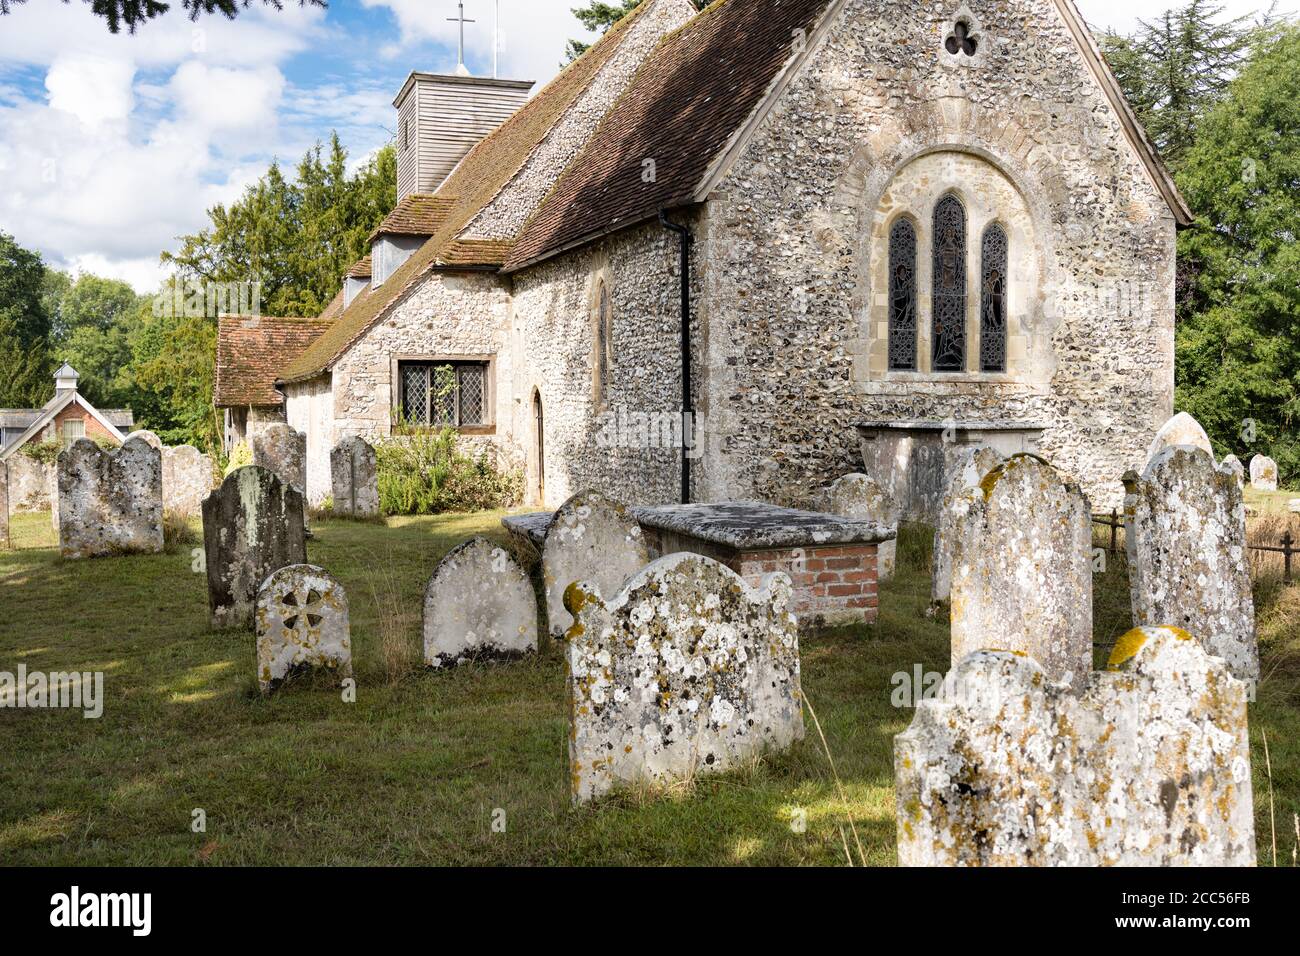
(902, 296)
(604, 343)
(993, 300)
(948, 337)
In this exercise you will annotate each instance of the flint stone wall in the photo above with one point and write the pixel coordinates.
(301, 623)
(590, 538)
(1150, 767)
(354, 478)
(1263, 473)
(1022, 570)
(972, 463)
(856, 495)
(252, 527)
(110, 502)
(1185, 532)
(479, 605)
(686, 670)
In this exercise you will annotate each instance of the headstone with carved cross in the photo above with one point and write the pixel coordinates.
(302, 623)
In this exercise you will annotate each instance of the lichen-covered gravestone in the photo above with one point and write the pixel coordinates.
(479, 605)
(1149, 767)
(591, 538)
(969, 466)
(280, 449)
(1181, 429)
(4, 505)
(252, 527)
(1185, 528)
(1233, 464)
(856, 495)
(110, 502)
(686, 670)
(187, 474)
(1022, 570)
(354, 478)
(302, 623)
(1263, 473)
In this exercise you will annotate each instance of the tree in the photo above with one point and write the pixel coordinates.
(295, 238)
(172, 366)
(133, 13)
(1238, 350)
(599, 15)
(1175, 69)
(92, 319)
(24, 327)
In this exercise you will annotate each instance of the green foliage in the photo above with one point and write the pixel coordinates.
(297, 239)
(91, 323)
(173, 361)
(133, 13)
(25, 363)
(43, 452)
(422, 472)
(240, 456)
(1238, 348)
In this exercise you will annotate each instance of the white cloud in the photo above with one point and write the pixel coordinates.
(91, 88)
(215, 99)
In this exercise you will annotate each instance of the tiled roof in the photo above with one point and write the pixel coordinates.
(250, 351)
(419, 214)
(361, 268)
(18, 417)
(334, 306)
(484, 171)
(686, 103)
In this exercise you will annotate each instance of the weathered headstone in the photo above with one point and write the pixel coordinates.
(1233, 464)
(187, 474)
(1263, 473)
(1293, 505)
(302, 623)
(969, 466)
(280, 449)
(4, 506)
(479, 605)
(1181, 429)
(1149, 767)
(1185, 533)
(686, 670)
(1022, 570)
(590, 538)
(146, 436)
(252, 527)
(109, 502)
(856, 495)
(354, 478)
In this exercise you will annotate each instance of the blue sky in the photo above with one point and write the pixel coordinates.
(111, 146)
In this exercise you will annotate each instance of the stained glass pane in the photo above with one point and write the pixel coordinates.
(443, 400)
(948, 338)
(415, 393)
(472, 399)
(993, 300)
(902, 296)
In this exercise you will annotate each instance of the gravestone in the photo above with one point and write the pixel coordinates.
(302, 623)
(1233, 464)
(1149, 767)
(4, 506)
(280, 449)
(1181, 429)
(354, 478)
(479, 605)
(1022, 570)
(970, 465)
(590, 538)
(1185, 533)
(109, 502)
(686, 670)
(1263, 473)
(187, 474)
(856, 495)
(252, 527)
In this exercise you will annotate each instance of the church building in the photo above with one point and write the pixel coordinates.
(882, 221)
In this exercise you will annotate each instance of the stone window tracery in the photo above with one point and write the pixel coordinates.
(993, 299)
(948, 300)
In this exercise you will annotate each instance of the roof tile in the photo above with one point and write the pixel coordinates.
(251, 350)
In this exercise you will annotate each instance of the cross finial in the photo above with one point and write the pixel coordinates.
(460, 49)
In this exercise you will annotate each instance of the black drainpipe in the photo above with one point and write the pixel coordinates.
(688, 410)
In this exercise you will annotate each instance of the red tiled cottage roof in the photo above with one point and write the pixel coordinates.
(251, 351)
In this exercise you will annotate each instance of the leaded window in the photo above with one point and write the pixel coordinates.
(444, 393)
(948, 338)
(902, 296)
(993, 300)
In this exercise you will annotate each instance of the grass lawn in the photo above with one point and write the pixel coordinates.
(413, 771)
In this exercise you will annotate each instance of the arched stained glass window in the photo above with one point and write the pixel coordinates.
(948, 336)
(993, 300)
(902, 296)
